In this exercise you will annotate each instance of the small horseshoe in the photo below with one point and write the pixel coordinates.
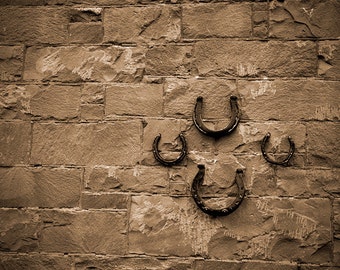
(159, 158)
(286, 160)
(198, 181)
(197, 117)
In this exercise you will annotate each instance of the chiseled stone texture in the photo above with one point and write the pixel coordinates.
(329, 59)
(84, 63)
(104, 201)
(33, 25)
(135, 99)
(11, 62)
(222, 265)
(323, 144)
(34, 261)
(217, 20)
(289, 100)
(274, 229)
(145, 24)
(83, 232)
(85, 144)
(255, 58)
(39, 187)
(136, 179)
(301, 19)
(15, 141)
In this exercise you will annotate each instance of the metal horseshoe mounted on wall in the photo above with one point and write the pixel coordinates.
(197, 183)
(163, 161)
(197, 118)
(266, 157)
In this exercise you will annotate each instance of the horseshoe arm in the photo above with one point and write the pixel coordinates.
(197, 183)
(197, 118)
(163, 161)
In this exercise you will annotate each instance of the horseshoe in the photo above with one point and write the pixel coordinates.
(163, 161)
(286, 160)
(198, 181)
(197, 117)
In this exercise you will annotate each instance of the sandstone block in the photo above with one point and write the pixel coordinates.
(92, 94)
(115, 143)
(91, 32)
(323, 144)
(255, 58)
(15, 139)
(289, 100)
(104, 201)
(154, 23)
(33, 25)
(300, 19)
(221, 265)
(14, 102)
(94, 63)
(169, 60)
(90, 112)
(216, 20)
(11, 62)
(39, 187)
(84, 232)
(276, 229)
(138, 99)
(329, 59)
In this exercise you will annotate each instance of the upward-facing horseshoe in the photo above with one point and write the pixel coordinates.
(197, 118)
(197, 183)
(163, 161)
(266, 157)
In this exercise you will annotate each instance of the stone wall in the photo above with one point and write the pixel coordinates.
(86, 86)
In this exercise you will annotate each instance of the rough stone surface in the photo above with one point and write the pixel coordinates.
(329, 59)
(322, 150)
(220, 265)
(142, 24)
(301, 19)
(94, 63)
(49, 25)
(11, 63)
(254, 58)
(140, 99)
(14, 102)
(85, 144)
(289, 100)
(39, 187)
(220, 20)
(104, 201)
(91, 32)
(15, 143)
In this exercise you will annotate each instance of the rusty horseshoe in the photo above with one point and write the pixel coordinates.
(163, 161)
(266, 157)
(197, 118)
(197, 183)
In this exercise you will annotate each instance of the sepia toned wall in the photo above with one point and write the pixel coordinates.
(86, 86)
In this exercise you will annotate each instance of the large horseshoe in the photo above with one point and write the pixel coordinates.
(268, 159)
(198, 181)
(197, 117)
(163, 161)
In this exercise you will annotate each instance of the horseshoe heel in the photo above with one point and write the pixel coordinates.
(197, 183)
(163, 161)
(268, 159)
(197, 118)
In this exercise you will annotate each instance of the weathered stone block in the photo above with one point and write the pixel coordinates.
(139, 99)
(15, 139)
(289, 100)
(33, 25)
(329, 59)
(137, 179)
(323, 144)
(11, 62)
(142, 24)
(90, 112)
(91, 32)
(94, 63)
(14, 102)
(169, 60)
(221, 265)
(55, 101)
(300, 19)
(39, 187)
(255, 58)
(278, 229)
(104, 201)
(216, 20)
(84, 232)
(85, 144)
(92, 94)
